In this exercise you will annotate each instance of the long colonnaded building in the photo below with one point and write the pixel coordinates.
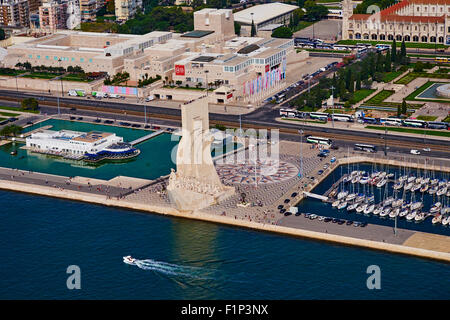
(423, 21)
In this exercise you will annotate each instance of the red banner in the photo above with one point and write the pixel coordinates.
(267, 68)
(179, 70)
(229, 95)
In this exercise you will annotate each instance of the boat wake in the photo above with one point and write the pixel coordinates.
(171, 269)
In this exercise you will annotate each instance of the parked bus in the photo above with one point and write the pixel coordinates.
(414, 123)
(319, 140)
(369, 120)
(365, 147)
(391, 121)
(438, 125)
(342, 117)
(319, 115)
(290, 113)
(441, 59)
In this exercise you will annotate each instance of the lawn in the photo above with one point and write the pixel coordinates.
(301, 25)
(330, 51)
(419, 90)
(11, 72)
(389, 76)
(447, 119)
(380, 97)
(96, 26)
(416, 131)
(413, 75)
(9, 114)
(361, 94)
(427, 118)
(41, 75)
(74, 77)
(408, 44)
(18, 109)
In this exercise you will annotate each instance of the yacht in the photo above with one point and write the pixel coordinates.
(426, 181)
(397, 203)
(377, 210)
(352, 206)
(369, 209)
(441, 191)
(411, 215)
(436, 207)
(434, 181)
(398, 185)
(416, 187)
(395, 212)
(388, 201)
(342, 195)
(342, 205)
(335, 203)
(403, 213)
(411, 179)
(424, 188)
(416, 205)
(437, 219)
(361, 208)
(381, 183)
(419, 216)
(364, 180)
(433, 190)
(350, 197)
(129, 260)
(446, 221)
(385, 212)
(403, 178)
(408, 186)
(360, 198)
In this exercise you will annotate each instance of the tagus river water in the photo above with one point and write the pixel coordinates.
(181, 259)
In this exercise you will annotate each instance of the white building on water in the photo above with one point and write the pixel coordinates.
(71, 142)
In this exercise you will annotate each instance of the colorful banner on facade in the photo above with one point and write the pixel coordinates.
(120, 90)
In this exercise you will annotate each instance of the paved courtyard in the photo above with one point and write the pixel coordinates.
(330, 30)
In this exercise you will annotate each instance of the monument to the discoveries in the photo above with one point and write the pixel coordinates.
(196, 184)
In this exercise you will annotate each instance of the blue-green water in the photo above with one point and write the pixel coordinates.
(325, 209)
(430, 92)
(40, 237)
(153, 161)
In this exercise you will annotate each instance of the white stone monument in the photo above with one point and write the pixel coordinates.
(196, 184)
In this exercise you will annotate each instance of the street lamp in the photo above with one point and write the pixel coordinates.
(385, 139)
(332, 106)
(206, 79)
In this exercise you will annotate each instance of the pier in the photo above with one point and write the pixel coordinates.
(29, 133)
(315, 196)
(146, 137)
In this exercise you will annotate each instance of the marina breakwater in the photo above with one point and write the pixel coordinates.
(414, 248)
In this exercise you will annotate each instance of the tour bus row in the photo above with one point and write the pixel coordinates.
(292, 113)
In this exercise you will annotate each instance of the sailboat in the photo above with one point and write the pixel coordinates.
(411, 215)
(436, 207)
(352, 207)
(385, 212)
(394, 213)
(437, 219)
(369, 209)
(377, 210)
(342, 205)
(403, 212)
(361, 208)
(419, 216)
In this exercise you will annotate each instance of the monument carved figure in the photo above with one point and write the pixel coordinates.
(196, 184)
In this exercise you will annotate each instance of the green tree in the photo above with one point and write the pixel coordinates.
(403, 49)
(404, 107)
(358, 82)
(253, 30)
(394, 52)
(110, 6)
(282, 32)
(30, 104)
(419, 66)
(2, 34)
(237, 28)
(11, 130)
(388, 62)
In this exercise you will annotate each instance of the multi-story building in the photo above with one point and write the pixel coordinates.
(14, 13)
(88, 10)
(34, 5)
(53, 15)
(126, 9)
(425, 21)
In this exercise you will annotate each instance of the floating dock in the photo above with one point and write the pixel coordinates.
(146, 137)
(315, 196)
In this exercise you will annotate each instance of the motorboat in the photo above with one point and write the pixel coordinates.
(352, 206)
(361, 208)
(342, 205)
(369, 209)
(356, 179)
(364, 180)
(442, 183)
(371, 199)
(360, 198)
(335, 203)
(129, 260)
(385, 212)
(434, 181)
(347, 178)
(426, 181)
(418, 180)
(394, 213)
(411, 179)
(390, 175)
(403, 178)
(437, 219)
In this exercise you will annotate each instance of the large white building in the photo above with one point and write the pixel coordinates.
(71, 142)
(263, 15)
(424, 21)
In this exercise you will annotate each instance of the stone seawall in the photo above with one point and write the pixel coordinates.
(199, 215)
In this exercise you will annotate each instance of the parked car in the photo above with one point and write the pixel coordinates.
(414, 151)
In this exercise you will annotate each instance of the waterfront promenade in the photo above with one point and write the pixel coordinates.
(261, 214)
